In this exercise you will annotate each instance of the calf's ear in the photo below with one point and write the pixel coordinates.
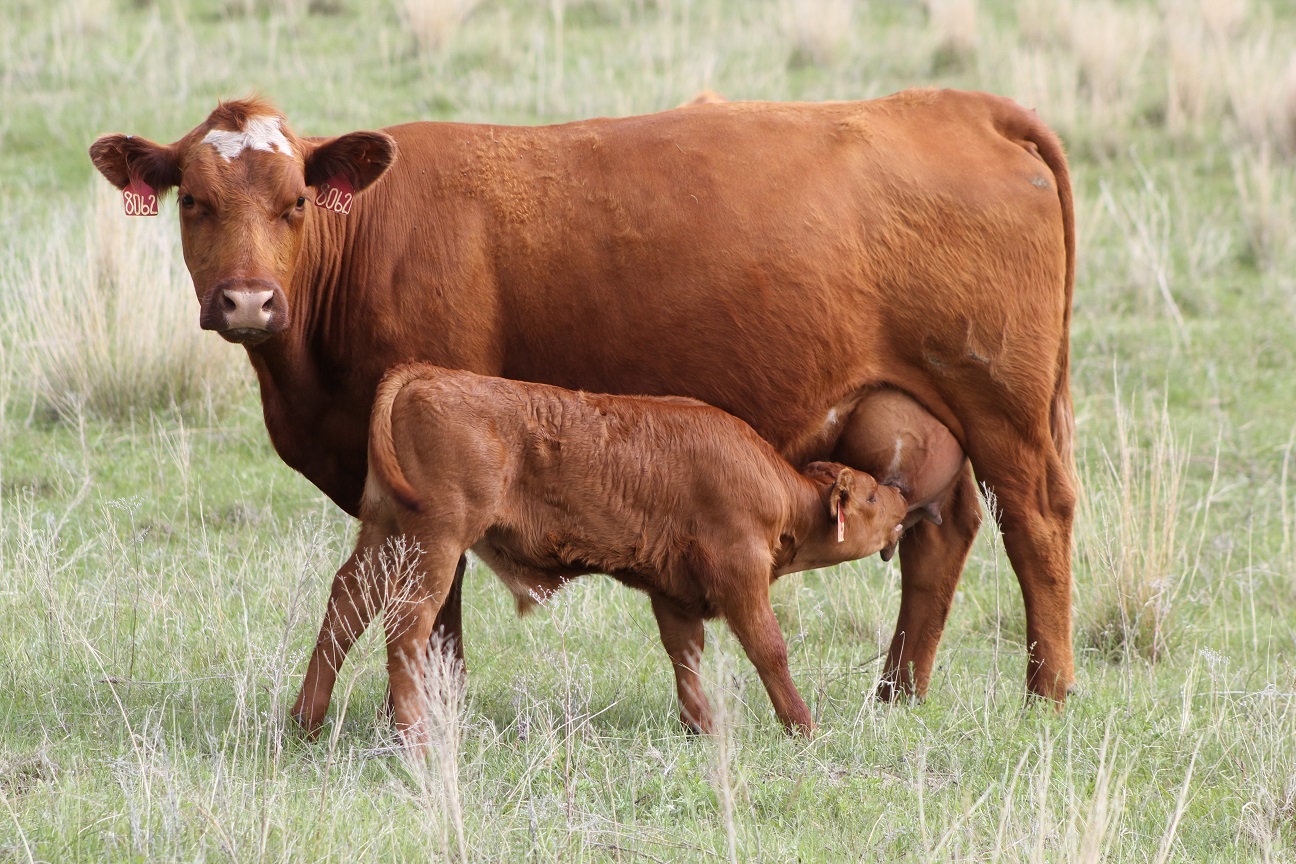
(360, 158)
(123, 159)
(843, 488)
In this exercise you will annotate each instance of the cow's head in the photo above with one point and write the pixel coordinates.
(246, 186)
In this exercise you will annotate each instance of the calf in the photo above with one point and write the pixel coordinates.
(667, 495)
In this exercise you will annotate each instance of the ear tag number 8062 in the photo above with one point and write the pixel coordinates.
(335, 194)
(140, 198)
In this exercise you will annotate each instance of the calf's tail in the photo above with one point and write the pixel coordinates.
(384, 466)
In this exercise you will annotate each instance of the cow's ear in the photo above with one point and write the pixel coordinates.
(125, 158)
(358, 157)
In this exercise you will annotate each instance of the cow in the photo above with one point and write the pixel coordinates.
(667, 495)
(778, 261)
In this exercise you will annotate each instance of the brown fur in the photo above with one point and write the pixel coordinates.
(778, 261)
(667, 495)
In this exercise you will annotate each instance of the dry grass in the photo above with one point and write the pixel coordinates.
(954, 25)
(1266, 190)
(434, 23)
(817, 29)
(1137, 544)
(107, 324)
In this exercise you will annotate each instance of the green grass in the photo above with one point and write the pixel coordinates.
(162, 573)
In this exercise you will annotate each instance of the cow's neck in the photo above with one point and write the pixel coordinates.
(316, 402)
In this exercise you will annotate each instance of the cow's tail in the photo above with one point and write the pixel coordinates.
(384, 466)
(1029, 128)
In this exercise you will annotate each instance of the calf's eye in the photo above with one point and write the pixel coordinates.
(186, 201)
(301, 202)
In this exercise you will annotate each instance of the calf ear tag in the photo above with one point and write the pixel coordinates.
(841, 523)
(140, 198)
(336, 194)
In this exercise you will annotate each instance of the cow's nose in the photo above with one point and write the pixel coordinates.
(247, 310)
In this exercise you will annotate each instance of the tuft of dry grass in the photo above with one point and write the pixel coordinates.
(108, 324)
(433, 23)
(817, 29)
(954, 24)
(1133, 542)
(1266, 190)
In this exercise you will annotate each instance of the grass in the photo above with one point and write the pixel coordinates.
(162, 573)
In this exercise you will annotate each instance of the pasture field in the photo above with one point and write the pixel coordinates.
(162, 573)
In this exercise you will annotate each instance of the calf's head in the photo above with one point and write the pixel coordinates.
(246, 186)
(863, 516)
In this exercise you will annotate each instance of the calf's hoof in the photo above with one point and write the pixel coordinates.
(696, 725)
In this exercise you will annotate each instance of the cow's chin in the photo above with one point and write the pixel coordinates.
(247, 336)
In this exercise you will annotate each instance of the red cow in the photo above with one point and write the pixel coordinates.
(779, 261)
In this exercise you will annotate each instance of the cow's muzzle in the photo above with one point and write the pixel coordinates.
(245, 311)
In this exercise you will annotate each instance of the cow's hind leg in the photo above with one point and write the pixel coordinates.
(355, 598)
(1035, 493)
(684, 638)
(932, 558)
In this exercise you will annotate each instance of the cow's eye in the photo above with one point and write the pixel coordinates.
(872, 499)
(187, 201)
(301, 202)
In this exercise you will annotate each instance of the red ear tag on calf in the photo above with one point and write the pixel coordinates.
(336, 194)
(841, 522)
(140, 198)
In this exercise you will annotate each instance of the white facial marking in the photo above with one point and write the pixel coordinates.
(258, 133)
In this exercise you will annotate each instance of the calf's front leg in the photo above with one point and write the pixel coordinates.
(752, 620)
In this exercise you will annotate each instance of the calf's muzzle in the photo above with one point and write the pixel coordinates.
(244, 310)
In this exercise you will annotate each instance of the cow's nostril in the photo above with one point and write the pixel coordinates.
(227, 302)
(268, 305)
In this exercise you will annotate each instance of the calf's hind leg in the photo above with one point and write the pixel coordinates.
(409, 620)
(684, 638)
(355, 598)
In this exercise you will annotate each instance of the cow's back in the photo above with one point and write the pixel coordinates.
(771, 259)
